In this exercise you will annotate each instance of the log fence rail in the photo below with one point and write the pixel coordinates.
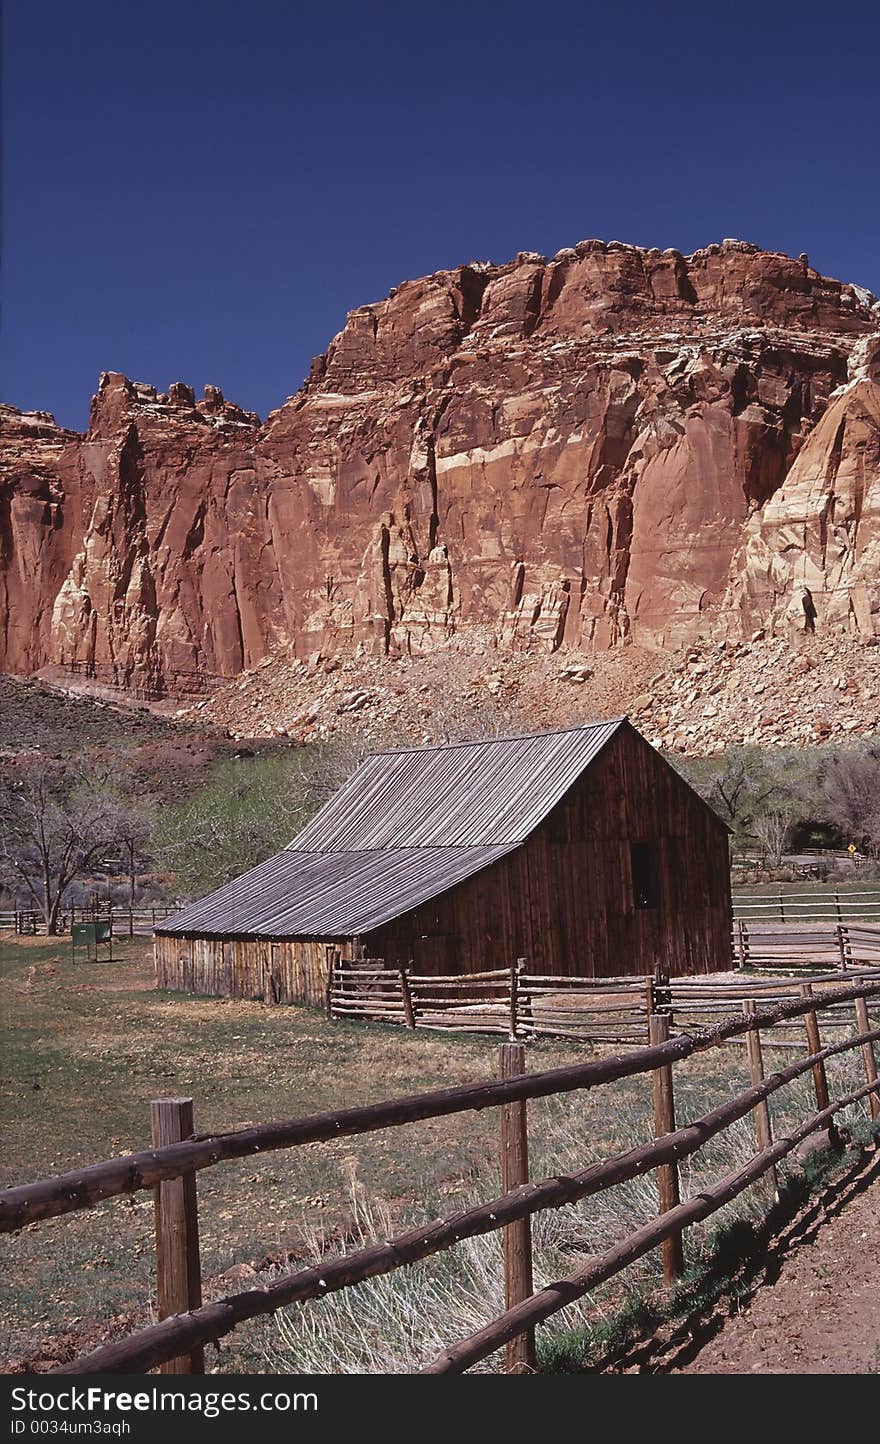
(124, 921)
(522, 1005)
(176, 1342)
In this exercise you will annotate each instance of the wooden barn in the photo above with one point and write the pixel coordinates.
(580, 850)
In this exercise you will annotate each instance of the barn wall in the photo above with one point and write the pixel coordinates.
(564, 900)
(271, 972)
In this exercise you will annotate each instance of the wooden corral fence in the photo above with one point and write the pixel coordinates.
(124, 922)
(170, 1167)
(510, 1001)
(792, 945)
(813, 905)
(519, 1004)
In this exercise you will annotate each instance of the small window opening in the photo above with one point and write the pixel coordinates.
(645, 874)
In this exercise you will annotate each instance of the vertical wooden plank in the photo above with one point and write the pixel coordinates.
(843, 944)
(649, 1003)
(328, 988)
(667, 1173)
(517, 1237)
(868, 1055)
(761, 1115)
(178, 1263)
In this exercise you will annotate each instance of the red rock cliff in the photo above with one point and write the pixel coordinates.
(613, 443)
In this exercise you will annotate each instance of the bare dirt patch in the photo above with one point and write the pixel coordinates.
(818, 1310)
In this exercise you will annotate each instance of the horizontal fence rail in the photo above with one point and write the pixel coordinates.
(793, 945)
(176, 1342)
(519, 1004)
(124, 921)
(556, 1296)
(808, 906)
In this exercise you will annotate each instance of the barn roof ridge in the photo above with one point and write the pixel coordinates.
(450, 796)
(502, 737)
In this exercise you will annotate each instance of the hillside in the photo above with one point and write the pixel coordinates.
(614, 448)
(695, 701)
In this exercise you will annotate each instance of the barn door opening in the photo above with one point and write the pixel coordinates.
(645, 865)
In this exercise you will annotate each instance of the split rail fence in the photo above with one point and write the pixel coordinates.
(814, 905)
(176, 1343)
(791, 945)
(124, 922)
(519, 1004)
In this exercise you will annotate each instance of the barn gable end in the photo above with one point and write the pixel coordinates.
(566, 899)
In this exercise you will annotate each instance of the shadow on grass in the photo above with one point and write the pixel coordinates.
(659, 1334)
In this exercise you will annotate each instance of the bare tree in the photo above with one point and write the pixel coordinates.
(55, 823)
(850, 795)
(772, 829)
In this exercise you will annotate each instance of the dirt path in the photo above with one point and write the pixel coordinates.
(821, 1315)
(816, 1308)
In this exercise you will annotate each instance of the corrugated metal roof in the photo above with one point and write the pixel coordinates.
(469, 794)
(329, 894)
(406, 827)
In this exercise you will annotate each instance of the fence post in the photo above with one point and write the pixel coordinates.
(523, 999)
(662, 993)
(843, 944)
(781, 908)
(868, 1055)
(408, 1011)
(814, 1045)
(667, 1173)
(514, 989)
(761, 1113)
(837, 907)
(131, 923)
(649, 1003)
(178, 1264)
(328, 986)
(517, 1237)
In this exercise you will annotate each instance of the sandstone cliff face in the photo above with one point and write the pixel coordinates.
(613, 444)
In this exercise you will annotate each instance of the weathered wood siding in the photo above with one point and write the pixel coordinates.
(289, 971)
(565, 899)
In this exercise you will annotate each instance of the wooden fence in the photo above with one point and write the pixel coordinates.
(124, 922)
(790, 945)
(519, 1004)
(816, 905)
(170, 1167)
(510, 1001)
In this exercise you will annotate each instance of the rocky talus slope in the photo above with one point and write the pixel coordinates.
(703, 698)
(613, 448)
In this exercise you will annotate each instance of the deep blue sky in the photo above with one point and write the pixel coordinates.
(199, 191)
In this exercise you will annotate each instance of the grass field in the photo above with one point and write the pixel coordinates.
(87, 1046)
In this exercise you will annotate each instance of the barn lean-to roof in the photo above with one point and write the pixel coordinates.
(406, 827)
